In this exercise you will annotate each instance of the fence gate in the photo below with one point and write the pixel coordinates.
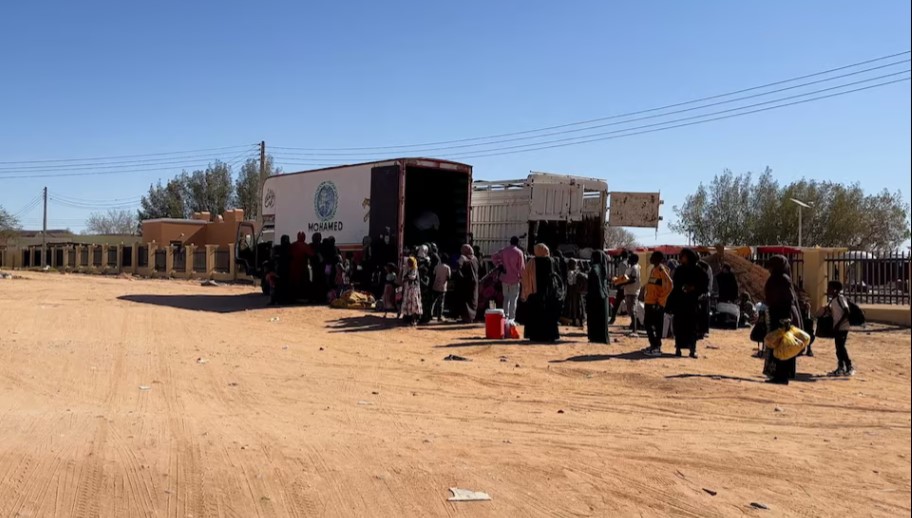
(872, 278)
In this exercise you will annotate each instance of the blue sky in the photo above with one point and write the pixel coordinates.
(96, 79)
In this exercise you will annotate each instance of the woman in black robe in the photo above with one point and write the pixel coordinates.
(283, 288)
(690, 282)
(543, 293)
(597, 307)
(782, 311)
(467, 285)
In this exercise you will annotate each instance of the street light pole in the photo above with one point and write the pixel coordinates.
(801, 206)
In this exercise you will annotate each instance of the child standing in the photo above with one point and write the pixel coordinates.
(389, 289)
(442, 274)
(411, 294)
(838, 309)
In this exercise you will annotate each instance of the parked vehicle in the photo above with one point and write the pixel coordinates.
(564, 212)
(415, 200)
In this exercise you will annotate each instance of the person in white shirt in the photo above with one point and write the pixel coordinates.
(632, 288)
(838, 308)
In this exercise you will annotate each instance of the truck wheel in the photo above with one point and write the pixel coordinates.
(264, 286)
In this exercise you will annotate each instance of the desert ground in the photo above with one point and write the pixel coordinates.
(127, 397)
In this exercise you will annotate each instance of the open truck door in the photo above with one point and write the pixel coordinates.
(245, 248)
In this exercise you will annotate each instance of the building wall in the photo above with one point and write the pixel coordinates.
(199, 230)
(188, 232)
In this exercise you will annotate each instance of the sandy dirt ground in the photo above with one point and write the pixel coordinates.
(127, 397)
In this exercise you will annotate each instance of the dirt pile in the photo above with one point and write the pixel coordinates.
(751, 277)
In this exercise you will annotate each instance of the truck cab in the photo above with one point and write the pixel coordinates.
(253, 250)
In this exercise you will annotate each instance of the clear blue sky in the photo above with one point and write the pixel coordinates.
(94, 79)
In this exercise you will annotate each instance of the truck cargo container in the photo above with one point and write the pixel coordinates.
(564, 212)
(419, 200)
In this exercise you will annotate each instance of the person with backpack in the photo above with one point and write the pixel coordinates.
(840, 312)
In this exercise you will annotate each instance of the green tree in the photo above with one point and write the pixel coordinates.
(208, 190)
(8, 223)
(246, 187)
(164, 201)
(733, 211)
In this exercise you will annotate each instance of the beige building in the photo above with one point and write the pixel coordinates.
(200, 230)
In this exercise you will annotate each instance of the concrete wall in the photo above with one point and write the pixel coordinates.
(200, 230)
(188, 232)
(888, 314)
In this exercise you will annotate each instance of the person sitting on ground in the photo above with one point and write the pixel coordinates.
(838, 310)
(748, 311)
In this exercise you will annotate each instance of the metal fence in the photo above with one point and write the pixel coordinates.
(58, 256)
(71, 258)
(796, 264)
(872, 278)
(222, 260)
(142, 257)
(112, 257)
(199, 261)
(160, 260)
(96, 256)
(179, 259)
(84, 257)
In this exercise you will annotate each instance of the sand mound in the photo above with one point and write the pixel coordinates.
(751, 277)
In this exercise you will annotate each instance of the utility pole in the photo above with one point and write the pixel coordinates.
(259, 217)
(44, 230)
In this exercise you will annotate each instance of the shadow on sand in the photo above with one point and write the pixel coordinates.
(629, 356)
(363, 323)
(211, 303)
(801, 377)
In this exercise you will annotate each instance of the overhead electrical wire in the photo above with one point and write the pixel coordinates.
(104, 158)
(600, 119)
(648, 117)
(674, 123)
(694, 123)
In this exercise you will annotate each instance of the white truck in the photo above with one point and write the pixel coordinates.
(564, 212)
(410, 200)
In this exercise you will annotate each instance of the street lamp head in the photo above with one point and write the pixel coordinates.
(801, 203)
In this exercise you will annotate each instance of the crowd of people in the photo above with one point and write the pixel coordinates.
(673, 299)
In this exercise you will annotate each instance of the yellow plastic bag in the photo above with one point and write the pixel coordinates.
(787, 343)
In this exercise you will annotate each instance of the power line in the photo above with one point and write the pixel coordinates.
(84, 200)
(694, 123)
(194, 151)
(654, 116)
(99, 173)
(655, 127)
(108, 165)
(30, 205)
(600, 119)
